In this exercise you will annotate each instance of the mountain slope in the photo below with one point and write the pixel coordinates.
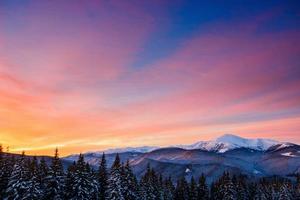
(253, 157)
(229, 141)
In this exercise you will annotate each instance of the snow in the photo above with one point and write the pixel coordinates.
(288, 154)
(229, 141)
(187, 170)
(283, 145)
(256, 172)
(221, 145)
(143, 149)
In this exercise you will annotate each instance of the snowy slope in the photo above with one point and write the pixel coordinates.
(229, 142)
(143, 149)
(220, 145)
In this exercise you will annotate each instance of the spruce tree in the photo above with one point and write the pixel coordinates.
(285, 192)
(297, 187)
(240, 187)
(193, 190)
(103, 179)
(129, 183)
(3, 173)
(68, 191)
(214, 192)
(253, 192)
(34, 191)
(149, 185)
(84, 185)
(7, 163)
(182, 190)
(264, 192)
(227, 190)
(203, 192)
(55, 182)
(168, 189)
(160, 187)
(18, 181)
(115, 187)
(43, 171)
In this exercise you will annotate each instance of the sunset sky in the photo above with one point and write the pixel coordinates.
(92, 75)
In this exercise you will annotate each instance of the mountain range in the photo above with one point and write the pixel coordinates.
(252, 157)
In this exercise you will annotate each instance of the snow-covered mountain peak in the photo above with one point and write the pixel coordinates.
(143, 149)
(234, 141)
(230, 138)
(229, 141)
(221, 145)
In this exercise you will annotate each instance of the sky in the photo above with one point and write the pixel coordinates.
(92, 75)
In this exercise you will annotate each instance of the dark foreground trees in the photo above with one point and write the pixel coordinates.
(30, 179)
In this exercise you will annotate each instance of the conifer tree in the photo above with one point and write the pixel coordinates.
(68, 191)
(285, 192)
(182, 190)
(213, 191)
(252, 191)
(149, 185)
(129, 183)
(34, 191)
(55, 182)
(43, 171)
(168, 189)
(227, 190)
(264, 191)
(203, 192)
(297, 187)
(17, 183)
(240, 187)
(84, 185)
(160, 187)
(115, 187)
(6, 166)
(103, 179)
(3, 176)
(193, 190)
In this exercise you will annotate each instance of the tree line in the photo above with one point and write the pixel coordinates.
(24, 178)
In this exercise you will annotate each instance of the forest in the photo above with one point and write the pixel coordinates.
(24, 178)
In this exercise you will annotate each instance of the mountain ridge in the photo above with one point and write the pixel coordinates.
(220, 144)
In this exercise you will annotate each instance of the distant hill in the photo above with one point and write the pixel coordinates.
(253, 157)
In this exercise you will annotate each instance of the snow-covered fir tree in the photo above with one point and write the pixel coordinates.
(286, 192)
(182, 190)
(264, 190)
(149, 185)
(240, 187)
(3, 181)
(103, 179)
(227, 190)
(297, 187)
(55, 181)
(18, 181)
(6, 167)
(214, 191)
(252, 191)
(84, 185)
(43, 171)
(34, 191)
(115, 187)
(193, 190)
(68, 191)
(129, 183)
(160, 187)
(168, 189)
(203, 192)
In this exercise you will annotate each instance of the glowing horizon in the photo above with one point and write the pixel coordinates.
(93, 75)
